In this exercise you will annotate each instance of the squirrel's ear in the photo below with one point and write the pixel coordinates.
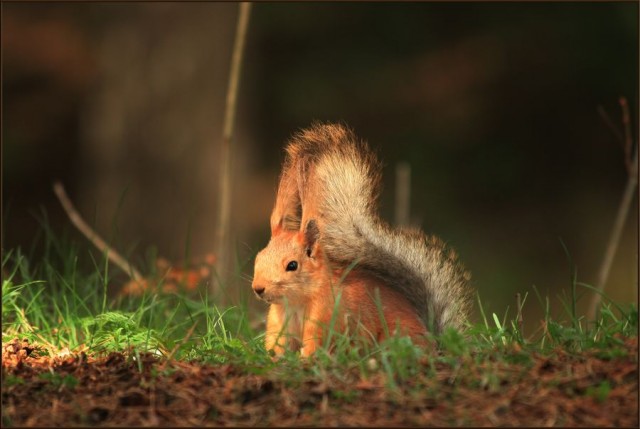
(277, 223)
(311, 235)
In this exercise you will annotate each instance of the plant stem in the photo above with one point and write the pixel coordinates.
(403, 194)
(224, 205)
(631, 162)
(93, 236)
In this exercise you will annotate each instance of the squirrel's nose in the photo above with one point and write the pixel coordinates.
(259, 290)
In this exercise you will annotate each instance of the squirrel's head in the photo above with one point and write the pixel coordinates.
(290, 266)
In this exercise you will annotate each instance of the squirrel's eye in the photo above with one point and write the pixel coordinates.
(292, 266)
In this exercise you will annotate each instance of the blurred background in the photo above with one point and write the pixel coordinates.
(493, 105)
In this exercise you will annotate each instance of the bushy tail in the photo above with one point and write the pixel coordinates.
(338, 178)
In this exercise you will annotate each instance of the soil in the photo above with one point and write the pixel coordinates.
(560, 389)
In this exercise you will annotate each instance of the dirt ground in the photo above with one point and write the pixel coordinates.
(116, 390)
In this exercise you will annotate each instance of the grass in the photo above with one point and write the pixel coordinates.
(63, 302)
(216, 371)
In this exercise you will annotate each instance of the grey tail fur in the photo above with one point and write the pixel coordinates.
(338, 180)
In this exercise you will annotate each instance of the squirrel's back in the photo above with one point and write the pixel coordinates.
(338, 180)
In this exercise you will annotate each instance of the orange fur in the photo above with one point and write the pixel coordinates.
(325, 220)
(303, 301)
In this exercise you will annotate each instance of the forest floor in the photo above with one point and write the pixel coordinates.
(521, 388)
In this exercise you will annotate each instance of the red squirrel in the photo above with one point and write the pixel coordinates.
(332, 262)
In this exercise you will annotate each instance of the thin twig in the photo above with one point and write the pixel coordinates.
(224, 206)
(520, 318)
(628, 138)
(607, 120)
(91, 235)
(631, 162)
(403, 194)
